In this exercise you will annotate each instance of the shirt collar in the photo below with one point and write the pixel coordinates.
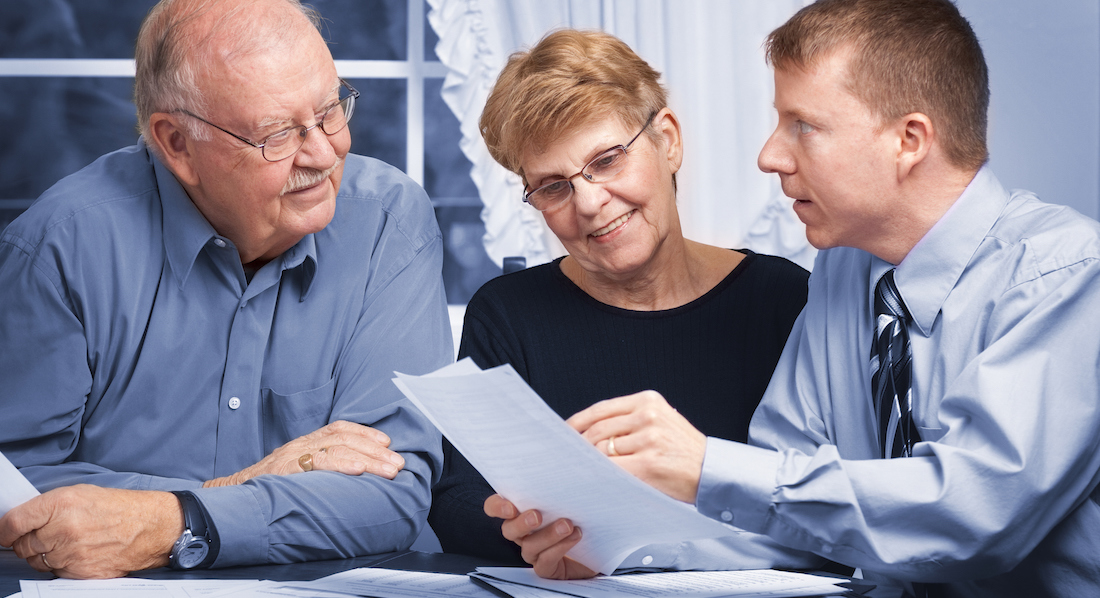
(187, 232)
(932, 268)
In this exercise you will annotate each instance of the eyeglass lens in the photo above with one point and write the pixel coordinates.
(288, 141)
(601, 169)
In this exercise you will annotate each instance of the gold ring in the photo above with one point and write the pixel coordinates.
(611, 447)
(45, 562)
(306, 462)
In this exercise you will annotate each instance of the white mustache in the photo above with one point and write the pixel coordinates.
(303, 178)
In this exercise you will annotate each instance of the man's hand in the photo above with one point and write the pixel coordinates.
(644, 435)
(543, 548)
(87, 532)
(341, 446)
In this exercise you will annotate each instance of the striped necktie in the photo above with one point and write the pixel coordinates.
(891, 369)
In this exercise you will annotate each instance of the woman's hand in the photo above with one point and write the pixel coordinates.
(644, 435)
(341, 446)
(543, 548)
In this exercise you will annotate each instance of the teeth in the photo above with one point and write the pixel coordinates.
(616, 224)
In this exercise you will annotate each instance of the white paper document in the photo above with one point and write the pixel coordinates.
(14, 488)
(680, 584)
(395, 583)
(273, 589)
(129, 588)
(532, 457)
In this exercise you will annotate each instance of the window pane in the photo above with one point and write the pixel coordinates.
(365, 29)
(378, 126)
(466, 266)
(70, 28)
(58, 125)
(430, 38)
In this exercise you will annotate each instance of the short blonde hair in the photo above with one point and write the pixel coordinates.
(570, 79)
(907, 56)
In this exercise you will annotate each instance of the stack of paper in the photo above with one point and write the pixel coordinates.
(516, 582)
(682, 584)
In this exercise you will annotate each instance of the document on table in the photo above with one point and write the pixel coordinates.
(14, 488)
(532, 457)
(394, 583)
(680, 584)
(274, 589)
(127, 586)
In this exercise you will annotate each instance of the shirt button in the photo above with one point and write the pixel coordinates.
(827, 549)
(234, 403)
(726, 516)
(647, 560)
(219, 242)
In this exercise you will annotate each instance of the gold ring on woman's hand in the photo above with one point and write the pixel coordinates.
(306, 462)
(611, 452)
(45, 562)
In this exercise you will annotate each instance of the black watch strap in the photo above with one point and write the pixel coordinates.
(196, 520)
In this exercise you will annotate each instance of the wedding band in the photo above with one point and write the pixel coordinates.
(45, 562)
(306, 462)
(611, 447)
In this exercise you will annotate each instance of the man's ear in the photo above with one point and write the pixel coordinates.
(668, 126)
(916, 136)
(176, 148)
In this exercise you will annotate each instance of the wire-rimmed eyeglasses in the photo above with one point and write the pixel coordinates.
(600, 169)
(285, 143)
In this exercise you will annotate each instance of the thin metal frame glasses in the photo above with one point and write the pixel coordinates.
(600, 169)
(285, 143)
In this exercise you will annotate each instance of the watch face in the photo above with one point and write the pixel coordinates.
(192, 554)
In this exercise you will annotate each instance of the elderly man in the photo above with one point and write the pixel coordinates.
(227, 299)
(933, 418)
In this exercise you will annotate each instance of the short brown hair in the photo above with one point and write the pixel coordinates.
(907, 56)
(569, 79)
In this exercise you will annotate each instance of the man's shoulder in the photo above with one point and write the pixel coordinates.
(106, 193)
(374, 195)
(1052, 236)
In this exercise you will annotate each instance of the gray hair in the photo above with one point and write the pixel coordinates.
(168, 60)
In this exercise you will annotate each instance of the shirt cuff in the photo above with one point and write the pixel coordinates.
(737, 483)
(240, 522)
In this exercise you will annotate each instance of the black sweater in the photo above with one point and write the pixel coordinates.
(711, 359)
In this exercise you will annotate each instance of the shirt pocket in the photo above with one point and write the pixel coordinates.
(287, 417)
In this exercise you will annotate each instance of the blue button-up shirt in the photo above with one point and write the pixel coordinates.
(1000, 498)
(134, 353)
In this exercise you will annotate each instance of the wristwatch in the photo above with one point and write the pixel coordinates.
(195, 547)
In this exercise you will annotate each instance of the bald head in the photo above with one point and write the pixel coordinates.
(182, 40)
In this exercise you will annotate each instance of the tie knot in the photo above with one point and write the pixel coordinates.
(888, 300)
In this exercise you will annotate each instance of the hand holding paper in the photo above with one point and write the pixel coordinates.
(532, 457)
(647, 437)
(544, 547)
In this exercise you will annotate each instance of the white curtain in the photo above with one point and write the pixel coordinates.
(709, 52)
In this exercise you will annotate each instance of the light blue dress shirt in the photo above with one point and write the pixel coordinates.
(1000, 498)
(135, 354)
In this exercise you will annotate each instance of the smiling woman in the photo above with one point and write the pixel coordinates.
(634, 305)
